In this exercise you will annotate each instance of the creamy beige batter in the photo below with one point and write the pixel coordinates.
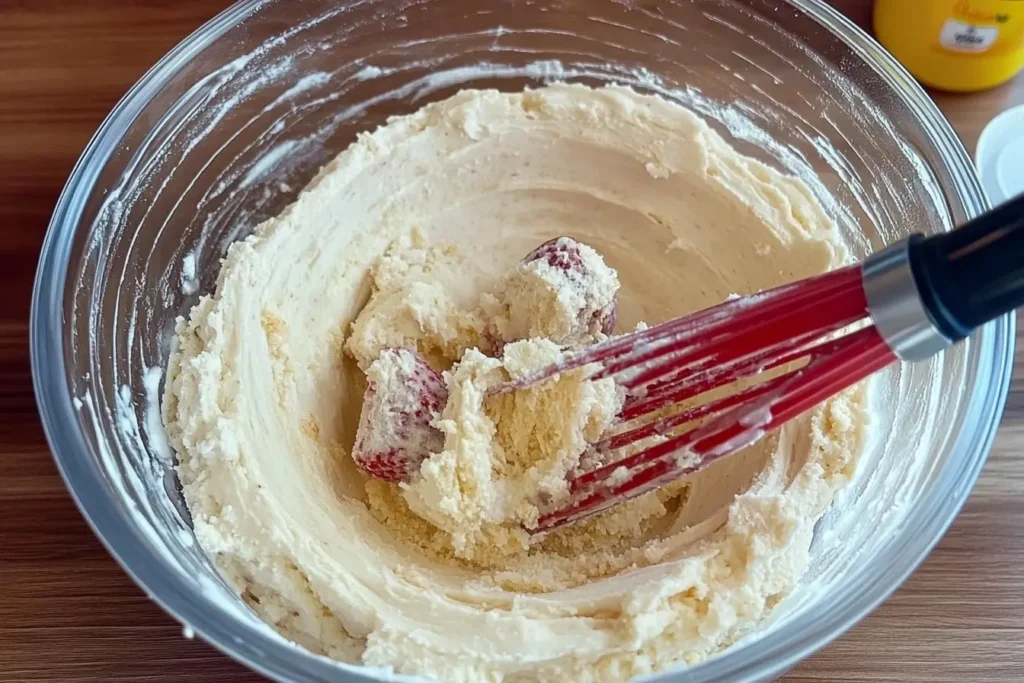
(407, 239)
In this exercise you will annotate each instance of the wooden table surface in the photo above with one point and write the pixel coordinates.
(68, 612)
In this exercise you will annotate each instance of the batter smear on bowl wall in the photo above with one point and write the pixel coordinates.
(351, 476)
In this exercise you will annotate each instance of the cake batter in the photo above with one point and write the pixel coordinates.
(413, 239)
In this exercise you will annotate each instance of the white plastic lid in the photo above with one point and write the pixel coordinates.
(1000, 156)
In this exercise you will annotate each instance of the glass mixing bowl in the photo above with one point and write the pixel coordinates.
(226, 129)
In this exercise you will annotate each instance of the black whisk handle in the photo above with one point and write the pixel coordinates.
(973, 274)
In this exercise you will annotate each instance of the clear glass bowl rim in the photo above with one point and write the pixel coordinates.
(261, 650)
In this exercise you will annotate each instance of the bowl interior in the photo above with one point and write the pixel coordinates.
(230, 126)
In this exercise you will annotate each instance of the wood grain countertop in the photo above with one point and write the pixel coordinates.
(68, 612)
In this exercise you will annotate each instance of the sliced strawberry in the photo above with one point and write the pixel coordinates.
(395, 435)
(565, 254)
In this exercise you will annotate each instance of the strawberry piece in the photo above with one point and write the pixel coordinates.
(566, 255)
(395, 436)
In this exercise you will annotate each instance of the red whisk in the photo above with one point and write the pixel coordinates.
(810, 339)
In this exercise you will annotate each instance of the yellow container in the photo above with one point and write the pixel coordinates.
(958, 45)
